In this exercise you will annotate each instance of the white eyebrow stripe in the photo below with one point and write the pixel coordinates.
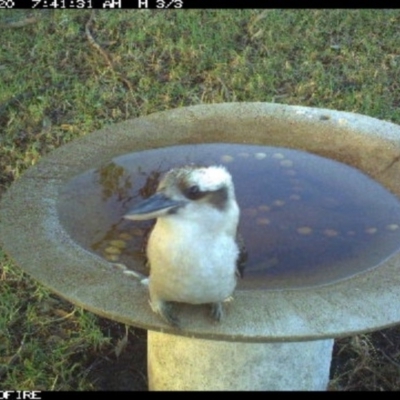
(211, 178)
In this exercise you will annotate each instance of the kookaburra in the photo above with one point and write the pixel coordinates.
(192, 250)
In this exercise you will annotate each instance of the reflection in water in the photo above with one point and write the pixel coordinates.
(306, 220)
(122, 237)
(113, 181)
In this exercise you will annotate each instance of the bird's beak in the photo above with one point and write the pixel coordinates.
(153, 207)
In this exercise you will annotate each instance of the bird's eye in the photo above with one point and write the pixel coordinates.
(193, 192)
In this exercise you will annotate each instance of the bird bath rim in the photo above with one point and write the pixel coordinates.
(362, 303)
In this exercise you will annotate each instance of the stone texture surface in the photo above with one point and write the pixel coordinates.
(177, 363)
(31, 232)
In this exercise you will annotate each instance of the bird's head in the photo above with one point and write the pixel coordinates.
(191, 193)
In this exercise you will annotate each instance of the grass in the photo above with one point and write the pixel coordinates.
(55, 86)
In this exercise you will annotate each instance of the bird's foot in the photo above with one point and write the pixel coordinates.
(217, 311)
(164, 310)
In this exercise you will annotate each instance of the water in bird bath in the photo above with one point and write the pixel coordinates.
(306, 220)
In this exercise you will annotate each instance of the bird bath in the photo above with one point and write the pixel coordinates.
(61, 218)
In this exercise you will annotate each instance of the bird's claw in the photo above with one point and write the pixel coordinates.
(217, 311)
(164, 310)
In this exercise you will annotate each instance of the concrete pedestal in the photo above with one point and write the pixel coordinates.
(182, 363)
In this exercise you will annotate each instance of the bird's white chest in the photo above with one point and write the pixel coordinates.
(191, 265)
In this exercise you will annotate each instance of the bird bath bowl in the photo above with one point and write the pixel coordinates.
(335, 232)
(307, 220)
